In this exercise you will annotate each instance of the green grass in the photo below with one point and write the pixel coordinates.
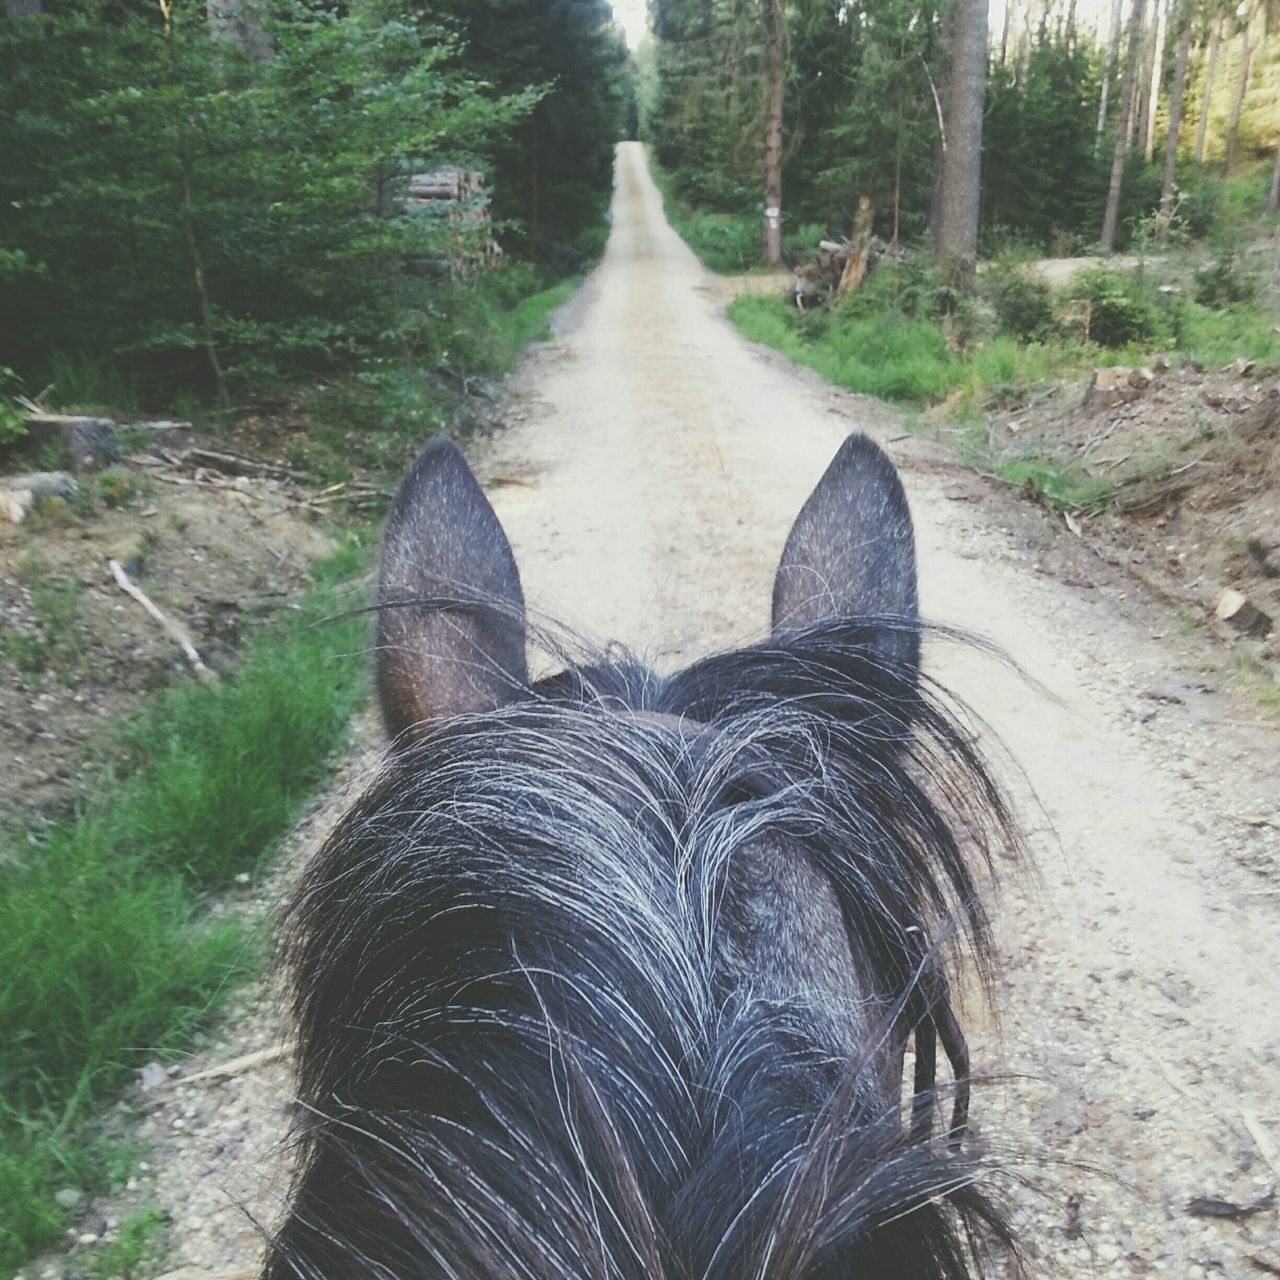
(109, 951)
(1218, 337)
(56, 641)
(137, 1245)
(896, 357)
(906, 360)
(728, 242)
(530, 320)
(89, 380)
(1056, 483)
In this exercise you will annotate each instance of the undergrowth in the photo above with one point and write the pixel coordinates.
(919, 354)
(729, 242)
(377, 419)
(113, 946)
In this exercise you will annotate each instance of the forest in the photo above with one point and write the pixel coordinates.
(314, 235)
(211, 203)
(1090, 130)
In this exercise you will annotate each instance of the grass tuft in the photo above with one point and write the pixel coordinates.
(111, 946)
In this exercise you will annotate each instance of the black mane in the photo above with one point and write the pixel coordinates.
(549, 1027)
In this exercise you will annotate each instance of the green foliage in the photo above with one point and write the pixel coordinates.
(287, 175)
(889, 354)
(1042, 173)
(55, 643)
(1022, 303)
(553, 166)
(137, 1245)
(860, 119)
(1121, 308)
(1056, 483)
(1225, 281)
(13, 420)
(1217, 336)
(111, 952)
(117, 488)
(729, 242)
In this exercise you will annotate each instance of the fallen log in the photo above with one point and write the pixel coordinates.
(237, 464)
(91, 441)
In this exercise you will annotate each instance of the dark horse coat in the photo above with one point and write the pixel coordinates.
(612, 975)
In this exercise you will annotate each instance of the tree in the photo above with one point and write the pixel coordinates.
(1113, 50)
(1183, 25)
(1206, 96)
(1242, 83)
(1151, 98)
(195, 216)
(773, 31)
(551, 175)
(1127, 85)
(956, 234)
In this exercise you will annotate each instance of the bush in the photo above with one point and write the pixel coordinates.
(1120, 308)
(1021, 302)
(1200, 200)
(13, 421)
(910, 287)
(1224, 282)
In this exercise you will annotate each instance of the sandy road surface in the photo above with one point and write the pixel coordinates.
(652, 467)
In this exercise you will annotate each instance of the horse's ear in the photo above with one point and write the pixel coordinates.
(450, 634)
(851, 553)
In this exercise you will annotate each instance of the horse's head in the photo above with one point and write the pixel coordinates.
(614, 975)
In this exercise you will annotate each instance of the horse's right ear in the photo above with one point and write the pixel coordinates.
(851, 554)
(451, 633)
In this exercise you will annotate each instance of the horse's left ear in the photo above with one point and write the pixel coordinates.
(451, 632)
(851, 554)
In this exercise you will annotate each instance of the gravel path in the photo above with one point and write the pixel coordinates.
(651, 467)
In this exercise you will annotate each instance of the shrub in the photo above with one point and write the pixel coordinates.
(1224, 282)
(117, 488)
(1021, 302)
(1120, 309)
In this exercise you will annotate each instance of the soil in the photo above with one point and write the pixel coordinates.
(218, 554)
(650, 468)
(1196, 458)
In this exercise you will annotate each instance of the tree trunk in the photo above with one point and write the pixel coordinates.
(1142, 89)
(855, 267)
(1004, 32)
(1242, 83)
(1127, 84)
(956, 234)
(1157, 73)
(1211, 62)
(1113, 50)
(185, 169)
(775, 68)
(1273, 196)
(1177, 90)
(1030, 17)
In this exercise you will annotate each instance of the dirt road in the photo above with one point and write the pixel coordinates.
(648, 478)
